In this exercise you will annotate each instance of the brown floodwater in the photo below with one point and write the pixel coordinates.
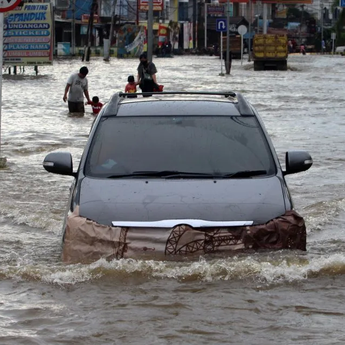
(259, 298)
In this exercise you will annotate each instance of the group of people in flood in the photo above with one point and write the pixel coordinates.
(77, 86)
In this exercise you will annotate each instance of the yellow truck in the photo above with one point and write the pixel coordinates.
(270, 52)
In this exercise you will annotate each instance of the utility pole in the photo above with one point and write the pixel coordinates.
(150, 31)
(194, 23)
(321, 27)
(111, 32)
(73, 28)
(205, 15)
(300, 26)
(264, 19)
(250, 30)
(227, 68)
(89, 33)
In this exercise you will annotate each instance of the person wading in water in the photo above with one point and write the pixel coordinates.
(146, 78)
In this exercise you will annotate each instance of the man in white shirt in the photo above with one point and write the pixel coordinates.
(76, 88)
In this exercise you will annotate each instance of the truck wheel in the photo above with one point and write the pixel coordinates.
(282, 66)
(258, 66)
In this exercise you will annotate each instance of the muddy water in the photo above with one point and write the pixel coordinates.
(282, 297)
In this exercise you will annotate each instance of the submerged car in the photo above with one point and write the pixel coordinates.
(178, 174)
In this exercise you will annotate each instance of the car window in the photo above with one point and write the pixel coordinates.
(198, 144)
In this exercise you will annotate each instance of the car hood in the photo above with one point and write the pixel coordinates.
(256, 200)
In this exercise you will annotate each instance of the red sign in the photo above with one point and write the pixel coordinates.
(8, 5)
(162, 35)
(157, 5)
(85, 18)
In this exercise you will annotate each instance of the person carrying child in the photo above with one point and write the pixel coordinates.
(96, 105)
(131, 87)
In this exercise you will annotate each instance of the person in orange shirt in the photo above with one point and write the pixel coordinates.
(131, 87)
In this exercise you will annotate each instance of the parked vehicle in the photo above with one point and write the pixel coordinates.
(270, 52)
(178, 174)
(340, 50)
(234, 45)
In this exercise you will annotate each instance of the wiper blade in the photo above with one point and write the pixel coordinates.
(137, 174)
(245, 173)
(181, 174)
(164, 174)
(185, 174)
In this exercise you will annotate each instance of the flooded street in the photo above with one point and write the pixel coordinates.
(259, 298)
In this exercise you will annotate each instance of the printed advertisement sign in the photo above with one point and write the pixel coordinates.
(28, 35)
(162, 35)
(215, 10)
(157, 5)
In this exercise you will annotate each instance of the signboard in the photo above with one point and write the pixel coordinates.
(85, 18)
(242, 29)
(215, 10)
(162, 35)
(342, 3)
(157, 5)
(28, 35)
(227, 7)
(63, 48)
(62, 5)
(8, 5)
(221, 25)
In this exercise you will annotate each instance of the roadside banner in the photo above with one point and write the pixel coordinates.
(162, 35)
(138, 42)
(5, 6)
(28, 35)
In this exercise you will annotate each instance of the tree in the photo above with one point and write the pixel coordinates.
(295, 14)
(339, 25)
(339, 29)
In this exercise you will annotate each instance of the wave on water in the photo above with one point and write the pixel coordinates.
(263, 271)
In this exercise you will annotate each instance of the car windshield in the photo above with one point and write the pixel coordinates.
(182, 146)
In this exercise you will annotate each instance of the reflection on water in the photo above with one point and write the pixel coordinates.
(258, 298)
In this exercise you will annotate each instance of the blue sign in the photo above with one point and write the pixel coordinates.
(221, 24)
(342, 3)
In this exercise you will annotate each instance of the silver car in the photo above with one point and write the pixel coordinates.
(178, 174)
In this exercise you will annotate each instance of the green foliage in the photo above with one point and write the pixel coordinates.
(296, 13)
(339, 29)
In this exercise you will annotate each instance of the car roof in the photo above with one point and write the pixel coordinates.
(179, 103)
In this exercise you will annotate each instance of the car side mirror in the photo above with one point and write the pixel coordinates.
(297, 161)
(59, 163)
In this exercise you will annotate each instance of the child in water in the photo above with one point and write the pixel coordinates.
(96, 105)
(131, 87)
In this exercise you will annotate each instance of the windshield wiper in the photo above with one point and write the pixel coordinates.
(240, 174)
(184, 174)
(165, 174)
(245, 173)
